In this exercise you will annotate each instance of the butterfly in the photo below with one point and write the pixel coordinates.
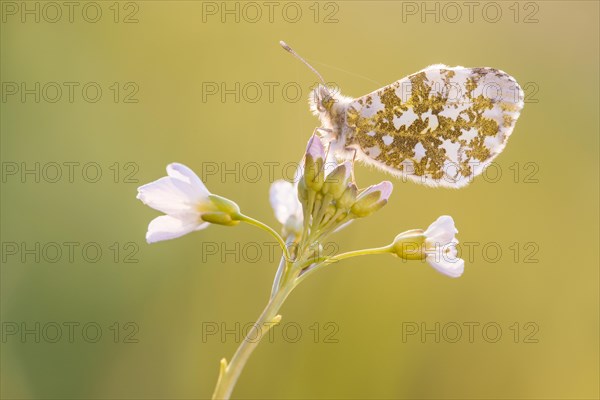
(440, 126)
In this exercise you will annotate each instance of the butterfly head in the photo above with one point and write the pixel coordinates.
(330, 106)
(321, 100)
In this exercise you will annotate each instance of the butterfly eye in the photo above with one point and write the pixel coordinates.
(326, 99)
(322, 97)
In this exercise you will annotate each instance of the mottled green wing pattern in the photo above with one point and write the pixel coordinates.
(440, 126)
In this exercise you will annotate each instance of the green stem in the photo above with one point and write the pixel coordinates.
(288, 277)
(343, 256)
(230, 373)
(331, 226)
(356, 253)
(283, 266)
(326, 201)
(270, 230)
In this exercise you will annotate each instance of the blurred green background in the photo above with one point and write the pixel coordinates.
(347, 326)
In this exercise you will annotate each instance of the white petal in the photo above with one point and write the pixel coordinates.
(185, 174)
(167, 227)
(315, 147)
(179, 193)
(452, 267)
(163, 195)
(188, 181)
(284, 200)
(384, 187)
(442, 231)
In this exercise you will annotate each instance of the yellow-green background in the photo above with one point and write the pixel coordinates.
(170, 292)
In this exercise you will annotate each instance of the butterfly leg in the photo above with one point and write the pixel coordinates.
(352, 170)
(323, 131)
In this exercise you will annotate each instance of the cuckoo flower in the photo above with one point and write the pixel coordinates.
(323, 199)
(283, 196)
(187, 203)
(440, 247)
(436, 245)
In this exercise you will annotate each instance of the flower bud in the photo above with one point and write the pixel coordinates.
(348, 198)
(337, 181)
(313, 164)
(302, 191)
(329, 213)
(372, 199)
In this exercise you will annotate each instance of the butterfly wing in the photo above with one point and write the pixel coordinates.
(440, 126)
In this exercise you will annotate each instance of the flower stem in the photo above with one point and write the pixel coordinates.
(267, 228)
(356, 253)
(278, 275)
(230, 373)
(343, 256)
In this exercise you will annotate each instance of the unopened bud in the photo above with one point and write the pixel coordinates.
(302, 191)
(372, 199)
(348, 198)
(337, 181)
(313, 164)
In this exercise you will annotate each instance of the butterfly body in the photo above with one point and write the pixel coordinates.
(440, 126)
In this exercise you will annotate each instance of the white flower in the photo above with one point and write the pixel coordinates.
(185, 200)
(283, 196)
(440, 247)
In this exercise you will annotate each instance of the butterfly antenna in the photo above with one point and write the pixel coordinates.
(289, 49)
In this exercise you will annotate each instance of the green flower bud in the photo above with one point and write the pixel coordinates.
(313, 164)
(302, 191)
(313, 173)
(372, 199)
(337, 181)
(329, 213)
(348, 198)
